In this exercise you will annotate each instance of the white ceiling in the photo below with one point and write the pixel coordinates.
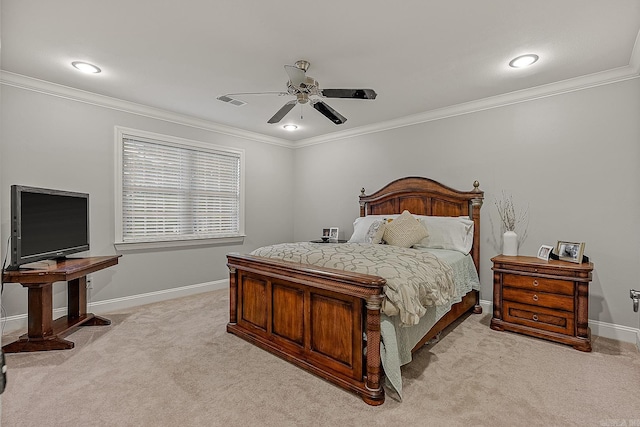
(420, 56)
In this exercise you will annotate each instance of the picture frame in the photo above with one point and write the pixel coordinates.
(333, 233)
(544, 252)
(326, 233)
(570, 251)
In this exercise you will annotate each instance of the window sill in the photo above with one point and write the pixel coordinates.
(134, 246)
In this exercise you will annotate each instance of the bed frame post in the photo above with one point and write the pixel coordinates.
(362, 203)
(374, 363)
(476, 204)
(233, 296)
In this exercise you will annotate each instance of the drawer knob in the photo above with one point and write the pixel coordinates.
(535, 297)
(535, 317)
(535, 283)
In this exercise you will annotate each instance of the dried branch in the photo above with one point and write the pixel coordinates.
(509, 216)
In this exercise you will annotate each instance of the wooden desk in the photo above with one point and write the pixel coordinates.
(43, 332)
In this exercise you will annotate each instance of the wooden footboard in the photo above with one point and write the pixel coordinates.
(313, 317)
(316, 318)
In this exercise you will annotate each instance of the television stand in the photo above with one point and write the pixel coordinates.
(43, 332)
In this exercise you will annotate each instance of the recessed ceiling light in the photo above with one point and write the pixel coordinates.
(523, 60)
(290, 127)
(85, 67)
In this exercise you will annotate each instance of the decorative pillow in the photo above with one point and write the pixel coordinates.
(362, 224)
(376, 231)
(404, 231)
(448, 232)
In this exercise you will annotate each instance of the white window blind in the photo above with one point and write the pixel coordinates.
(178, 191)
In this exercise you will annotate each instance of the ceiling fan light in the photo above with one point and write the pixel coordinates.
(85, 67)
(290, 128)
(524, 60)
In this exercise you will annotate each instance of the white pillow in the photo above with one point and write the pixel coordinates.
(404, 231)
(362, 224)
(448, 232)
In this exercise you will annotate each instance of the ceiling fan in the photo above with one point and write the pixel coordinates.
(303, 87)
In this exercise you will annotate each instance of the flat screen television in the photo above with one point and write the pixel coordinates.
(47, 224)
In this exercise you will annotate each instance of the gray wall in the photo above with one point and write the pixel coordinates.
(573, 159)
(49, 141)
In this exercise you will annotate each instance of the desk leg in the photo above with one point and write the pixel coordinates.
(40, 315)
(77, 303)
(40, 334)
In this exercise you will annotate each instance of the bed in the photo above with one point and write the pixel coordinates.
(329, 321)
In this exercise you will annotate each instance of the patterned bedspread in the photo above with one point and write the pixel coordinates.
(415, 279)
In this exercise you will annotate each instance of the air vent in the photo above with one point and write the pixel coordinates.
(233, 101)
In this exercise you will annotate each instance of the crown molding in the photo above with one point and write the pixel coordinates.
(28, 83)
(615, 75)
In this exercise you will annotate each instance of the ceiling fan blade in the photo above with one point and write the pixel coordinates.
(350, 93)
(282, 112)
(329, 113)
(296, 75)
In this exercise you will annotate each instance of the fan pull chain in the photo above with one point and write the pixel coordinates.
(301, 116)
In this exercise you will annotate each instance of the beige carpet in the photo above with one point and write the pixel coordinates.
(173, 364)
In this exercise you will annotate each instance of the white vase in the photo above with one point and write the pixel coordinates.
(510, 243)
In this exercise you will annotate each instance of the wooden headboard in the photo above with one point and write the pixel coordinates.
(424, 196)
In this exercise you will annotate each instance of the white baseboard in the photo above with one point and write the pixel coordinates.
(615, 332)
(487, 306)
(601, 329)
(18, 322)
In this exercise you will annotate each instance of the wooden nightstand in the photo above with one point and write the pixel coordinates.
(544, 299)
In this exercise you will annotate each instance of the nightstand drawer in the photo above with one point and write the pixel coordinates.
(538, 284)
(540, 299)
(539, 317)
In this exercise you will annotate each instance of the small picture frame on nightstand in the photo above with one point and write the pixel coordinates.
(570, 251)
(544, 252)
(333, 234)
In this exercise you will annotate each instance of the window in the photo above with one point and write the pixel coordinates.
(171, 191)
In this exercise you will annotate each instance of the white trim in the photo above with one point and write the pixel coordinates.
(487, 306)
(18, 322)
(134, 246)
(552, 89)
(614, 332)
(601, 329)
(615, 75)
(53, 89)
